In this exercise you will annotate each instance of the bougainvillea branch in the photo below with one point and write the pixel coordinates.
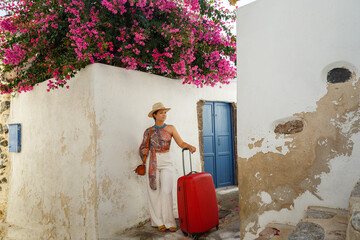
(185, 39)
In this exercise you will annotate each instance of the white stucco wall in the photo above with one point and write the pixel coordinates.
(102, 116)
(285, 48)
(122, 101)
(52, 187)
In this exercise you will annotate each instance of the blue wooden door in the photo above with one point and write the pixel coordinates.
(218, 143)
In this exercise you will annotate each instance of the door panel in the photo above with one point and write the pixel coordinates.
(224, 167)
(209, 140)
(208, 128)
(218, 143)
(223, 144)
(209, 165)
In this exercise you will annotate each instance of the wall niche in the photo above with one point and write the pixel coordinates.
(339, 75)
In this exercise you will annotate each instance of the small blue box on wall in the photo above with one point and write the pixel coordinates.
(15, 137)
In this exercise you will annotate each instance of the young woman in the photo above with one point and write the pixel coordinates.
(160, 168)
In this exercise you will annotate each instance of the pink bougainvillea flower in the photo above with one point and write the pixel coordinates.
(181, 39)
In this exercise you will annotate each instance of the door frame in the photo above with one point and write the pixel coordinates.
(200, 105)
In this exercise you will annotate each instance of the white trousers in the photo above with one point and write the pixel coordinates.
(161, 199)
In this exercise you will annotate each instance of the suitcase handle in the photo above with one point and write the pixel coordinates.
(184, 162)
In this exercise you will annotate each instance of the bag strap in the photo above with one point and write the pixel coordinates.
(147, 146)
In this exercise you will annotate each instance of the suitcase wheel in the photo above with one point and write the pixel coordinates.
(196, 236)
(217, 227)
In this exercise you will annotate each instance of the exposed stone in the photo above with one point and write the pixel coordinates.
(6, 129)
(307, 231)
(4, 155)
(4, 143)
(290, 127)
(355, 221)
(4, 106)
(356, 191)
(319, 214)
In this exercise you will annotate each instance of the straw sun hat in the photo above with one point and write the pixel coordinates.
(156, 107)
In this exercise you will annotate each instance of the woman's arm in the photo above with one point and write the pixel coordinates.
(179, 141)
(142, 149)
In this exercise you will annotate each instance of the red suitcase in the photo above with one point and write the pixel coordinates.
(197, 203)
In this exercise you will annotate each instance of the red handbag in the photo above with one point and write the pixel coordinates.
(141, 169)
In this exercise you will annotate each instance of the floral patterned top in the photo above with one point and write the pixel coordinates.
(160, 140)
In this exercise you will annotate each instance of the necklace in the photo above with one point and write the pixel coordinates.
(162, 127)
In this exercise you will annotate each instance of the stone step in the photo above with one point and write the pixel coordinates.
(321, 223)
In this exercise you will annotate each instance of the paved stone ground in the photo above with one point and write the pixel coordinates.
(229, 228)
(319, 223)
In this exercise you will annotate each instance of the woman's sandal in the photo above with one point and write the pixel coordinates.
(172, 229)
(162, 228)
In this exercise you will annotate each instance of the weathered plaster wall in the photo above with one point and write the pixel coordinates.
(53, 186)
(75, 175)
(122, 101)
(285, 50)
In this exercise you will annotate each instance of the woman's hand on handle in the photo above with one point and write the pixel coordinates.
(191, 148)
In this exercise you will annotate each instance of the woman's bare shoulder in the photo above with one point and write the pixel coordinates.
(170, 128)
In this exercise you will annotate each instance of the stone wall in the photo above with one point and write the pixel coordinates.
(4, 154)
